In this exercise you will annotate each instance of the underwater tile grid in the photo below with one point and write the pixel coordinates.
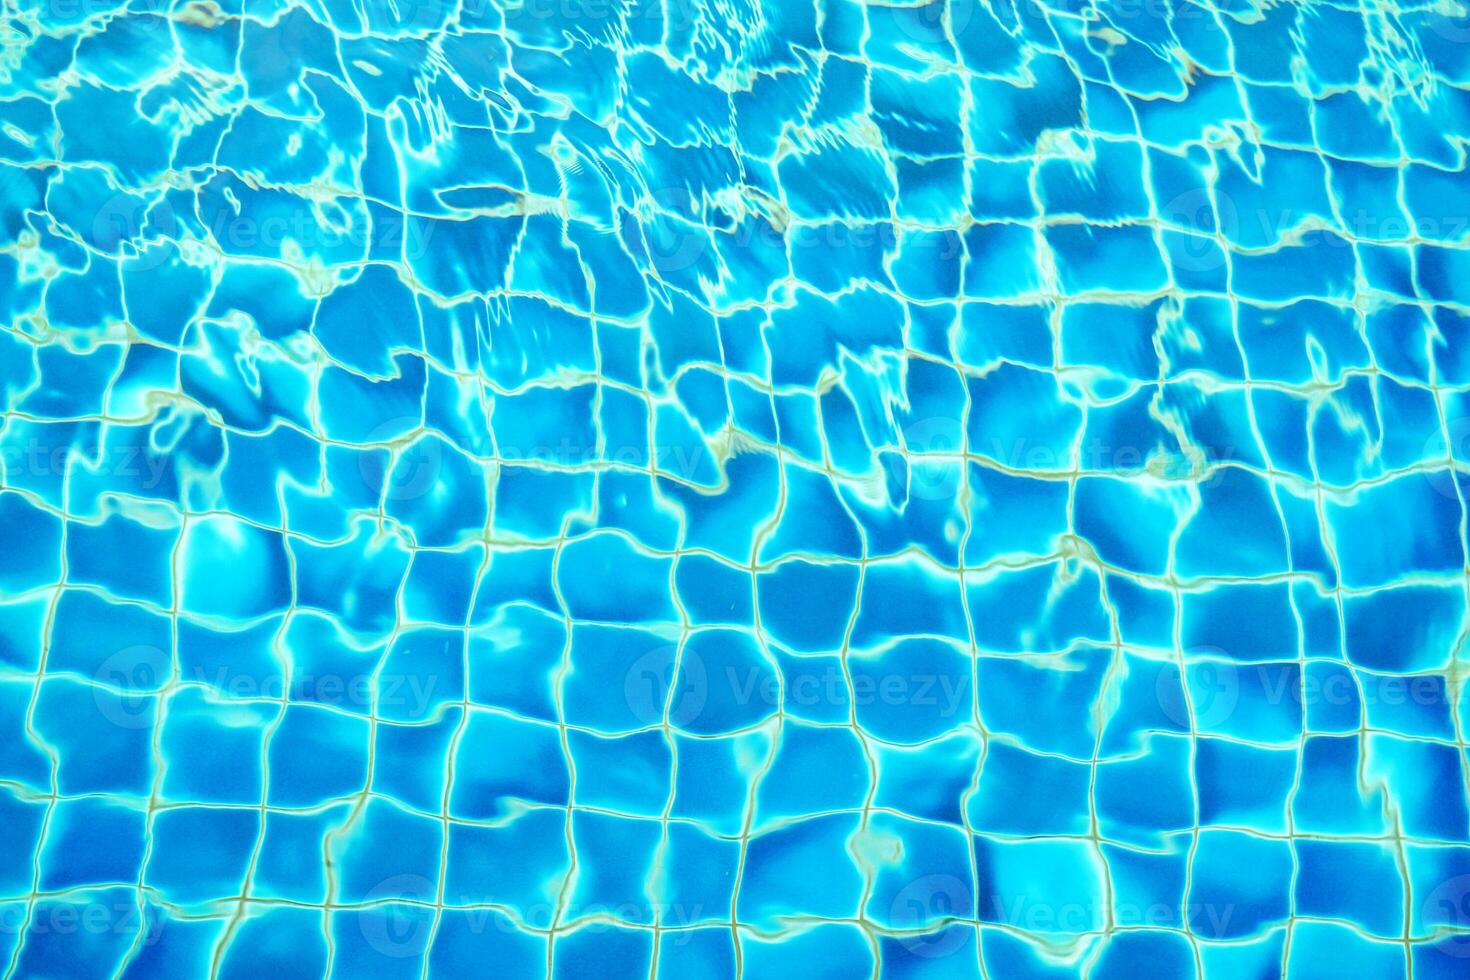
(718, 488)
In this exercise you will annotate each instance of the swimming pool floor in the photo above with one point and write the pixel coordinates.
(585, 488)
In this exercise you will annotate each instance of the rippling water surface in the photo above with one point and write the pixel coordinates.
(588, 488)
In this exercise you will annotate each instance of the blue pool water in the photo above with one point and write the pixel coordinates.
(599, 488)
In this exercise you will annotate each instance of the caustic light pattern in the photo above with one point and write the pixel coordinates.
(590, 488)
